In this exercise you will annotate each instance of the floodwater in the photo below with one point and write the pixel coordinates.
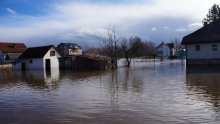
(147, 93)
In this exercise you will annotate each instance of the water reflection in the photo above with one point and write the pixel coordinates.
(41, 79)
(204, 83)
(145, 93)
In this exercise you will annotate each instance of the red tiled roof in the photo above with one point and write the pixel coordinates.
(12, 47)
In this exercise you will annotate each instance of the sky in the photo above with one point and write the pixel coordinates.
(45, 22)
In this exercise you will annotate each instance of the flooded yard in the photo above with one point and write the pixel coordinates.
(146, 93)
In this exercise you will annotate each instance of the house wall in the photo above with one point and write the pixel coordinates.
(75, 52)
(163, 50)
(204, 53)
(53, 59)
(36, 64)
(39, 63)
(1, 57)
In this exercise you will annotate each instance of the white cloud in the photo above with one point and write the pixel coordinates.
(70, 20)
(195, 25)
(154, 29)
(166, 28)
(181, 29)
(11, 11)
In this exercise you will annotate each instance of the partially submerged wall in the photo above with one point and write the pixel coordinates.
(6, 67)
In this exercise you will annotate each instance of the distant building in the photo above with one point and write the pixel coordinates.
(10, 51)
(69, 49)
(203, 45)
(163, 50)
(172, 49)
(44, 57)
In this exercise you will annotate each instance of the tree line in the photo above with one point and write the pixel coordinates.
(213, 15)
(128, 48)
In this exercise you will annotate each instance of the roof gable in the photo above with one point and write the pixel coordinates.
(35, 52)
(162, 44)
(208, 34)
(12, 47)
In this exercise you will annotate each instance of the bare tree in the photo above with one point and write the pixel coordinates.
(134, 47)
(110, 45)
(150, 49)
(127, 51)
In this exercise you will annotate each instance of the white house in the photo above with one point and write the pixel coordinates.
(163, 50)
(44, 57)
(203, 45)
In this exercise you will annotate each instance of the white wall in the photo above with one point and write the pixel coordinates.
(53, 59)
(36, 64)
(204, 53)
(39, 63)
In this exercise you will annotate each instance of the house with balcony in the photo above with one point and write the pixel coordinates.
(69, 49)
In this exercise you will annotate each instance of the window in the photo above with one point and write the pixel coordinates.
(197, 47)
(52, 53)
(30, 61)
(214, 47)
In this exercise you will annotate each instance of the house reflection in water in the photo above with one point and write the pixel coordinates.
(205, 85)
(39, 79)
(42, 78)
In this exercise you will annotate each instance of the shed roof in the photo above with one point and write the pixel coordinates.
(210, 33)
(35, 52)
(12, 47)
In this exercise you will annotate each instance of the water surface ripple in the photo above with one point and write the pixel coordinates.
(153, 93)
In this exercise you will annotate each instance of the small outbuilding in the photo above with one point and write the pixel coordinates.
(10, 51)
(203, 45)
(43, 57)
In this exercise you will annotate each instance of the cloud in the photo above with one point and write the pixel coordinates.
(166, 27)
(195, 25)
(181, 30)
(11, 11)
(154, 29)
(88, 20)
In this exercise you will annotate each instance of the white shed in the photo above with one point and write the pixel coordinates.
(44, 57)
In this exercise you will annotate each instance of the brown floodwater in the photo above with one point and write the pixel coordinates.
(147, 93)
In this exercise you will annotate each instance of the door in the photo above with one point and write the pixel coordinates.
(48, 64)
(23, 66)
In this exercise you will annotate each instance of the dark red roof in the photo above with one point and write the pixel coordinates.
(12, 47)
(210, 33)
(35, 52)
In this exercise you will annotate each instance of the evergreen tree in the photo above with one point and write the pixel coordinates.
(213, 15)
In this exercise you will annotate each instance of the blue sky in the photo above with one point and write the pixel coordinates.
(43, 22)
